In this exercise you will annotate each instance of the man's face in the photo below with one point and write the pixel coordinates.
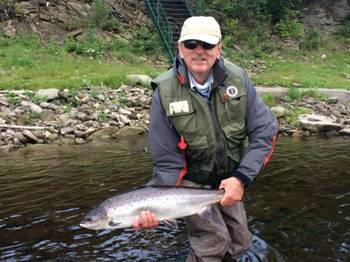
(199, 60)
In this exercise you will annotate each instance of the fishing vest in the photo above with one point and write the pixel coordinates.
(214, 130)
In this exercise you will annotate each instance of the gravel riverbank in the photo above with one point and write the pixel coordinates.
(100, 113)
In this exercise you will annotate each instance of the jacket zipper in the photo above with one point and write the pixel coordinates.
(219, 156)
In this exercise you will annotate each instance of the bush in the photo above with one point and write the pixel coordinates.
(289, 28)
(90, 46)
(313, 40)
(145, 41)
(344, 30)
(102, 17)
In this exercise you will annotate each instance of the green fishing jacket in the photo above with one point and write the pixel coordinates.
(213, 129)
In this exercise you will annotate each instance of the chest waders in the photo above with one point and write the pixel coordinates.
(214, 130)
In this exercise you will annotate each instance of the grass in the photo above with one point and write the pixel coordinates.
(308, 71)
(26, 63)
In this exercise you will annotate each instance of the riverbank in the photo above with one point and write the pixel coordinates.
(100, 113)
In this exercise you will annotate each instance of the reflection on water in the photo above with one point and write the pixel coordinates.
(301, 205)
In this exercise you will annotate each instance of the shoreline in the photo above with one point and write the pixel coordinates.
(50, 116)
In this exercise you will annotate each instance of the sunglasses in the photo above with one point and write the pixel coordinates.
(192, 44)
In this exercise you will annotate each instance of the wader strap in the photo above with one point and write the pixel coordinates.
(182, 146)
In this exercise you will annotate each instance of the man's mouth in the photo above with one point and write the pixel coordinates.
(199, 59)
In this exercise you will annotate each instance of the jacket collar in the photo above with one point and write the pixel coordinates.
(219, 72)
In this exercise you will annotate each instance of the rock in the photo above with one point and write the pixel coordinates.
(332, 100)
(50, 93)
(124, 120)
(28, 134)
(79, 141)
(278, 111)
(82, 116)
(49, 106)
(20, 137)
(140, 79)
(129, 131)
(124, 111)
(9, 30)
(33, 107)
(67, 130)
(318, 123)
(103, 133)
(345, 132)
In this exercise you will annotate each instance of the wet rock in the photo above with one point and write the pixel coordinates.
(79, 141)
(345, 132)
(104, 133)
(318, 123)
(128, 131)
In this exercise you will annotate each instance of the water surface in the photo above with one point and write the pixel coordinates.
(300, 205)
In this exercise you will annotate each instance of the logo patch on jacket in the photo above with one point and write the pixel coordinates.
(231, 91)
(179, 107)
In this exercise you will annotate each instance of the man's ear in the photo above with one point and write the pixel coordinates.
(180, 51)
(220, 50)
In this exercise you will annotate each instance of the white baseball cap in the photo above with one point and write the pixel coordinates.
(203, 28)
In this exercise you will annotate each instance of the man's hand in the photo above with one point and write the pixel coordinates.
(233, 191)
(146, 220)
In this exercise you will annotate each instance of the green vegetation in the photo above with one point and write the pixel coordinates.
(292, 115)
(255, 33)
(28, 63)
(313, 59)
(269, 100)
(307, 70)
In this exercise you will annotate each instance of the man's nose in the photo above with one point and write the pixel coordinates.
(199, 49)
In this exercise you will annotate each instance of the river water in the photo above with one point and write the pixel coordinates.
(300, 205)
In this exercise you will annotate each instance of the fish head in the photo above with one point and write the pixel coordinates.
(96, 219)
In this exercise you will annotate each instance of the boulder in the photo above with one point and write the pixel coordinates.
(318, 123)
(50, 93)
(129, 131)
(140, 79)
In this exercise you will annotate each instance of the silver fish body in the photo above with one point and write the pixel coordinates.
(167, 203)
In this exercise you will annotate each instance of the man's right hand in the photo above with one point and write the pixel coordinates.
(146, 220)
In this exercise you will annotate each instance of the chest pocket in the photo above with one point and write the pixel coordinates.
(233, 104)
(182, 115)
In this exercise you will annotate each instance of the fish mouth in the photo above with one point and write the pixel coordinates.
(87, 225)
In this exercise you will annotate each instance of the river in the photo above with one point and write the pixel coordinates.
(300, 205)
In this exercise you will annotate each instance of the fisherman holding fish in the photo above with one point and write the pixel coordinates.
(209, 128)
(210, 136)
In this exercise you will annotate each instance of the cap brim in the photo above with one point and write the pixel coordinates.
(201, 37)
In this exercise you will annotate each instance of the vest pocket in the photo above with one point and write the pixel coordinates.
(235, 136)
(184, 123)
(235, 108)
(198, 154)
(181, 114)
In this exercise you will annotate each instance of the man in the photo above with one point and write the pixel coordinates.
(209, 128)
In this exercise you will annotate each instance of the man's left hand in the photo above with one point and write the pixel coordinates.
(233, 191)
